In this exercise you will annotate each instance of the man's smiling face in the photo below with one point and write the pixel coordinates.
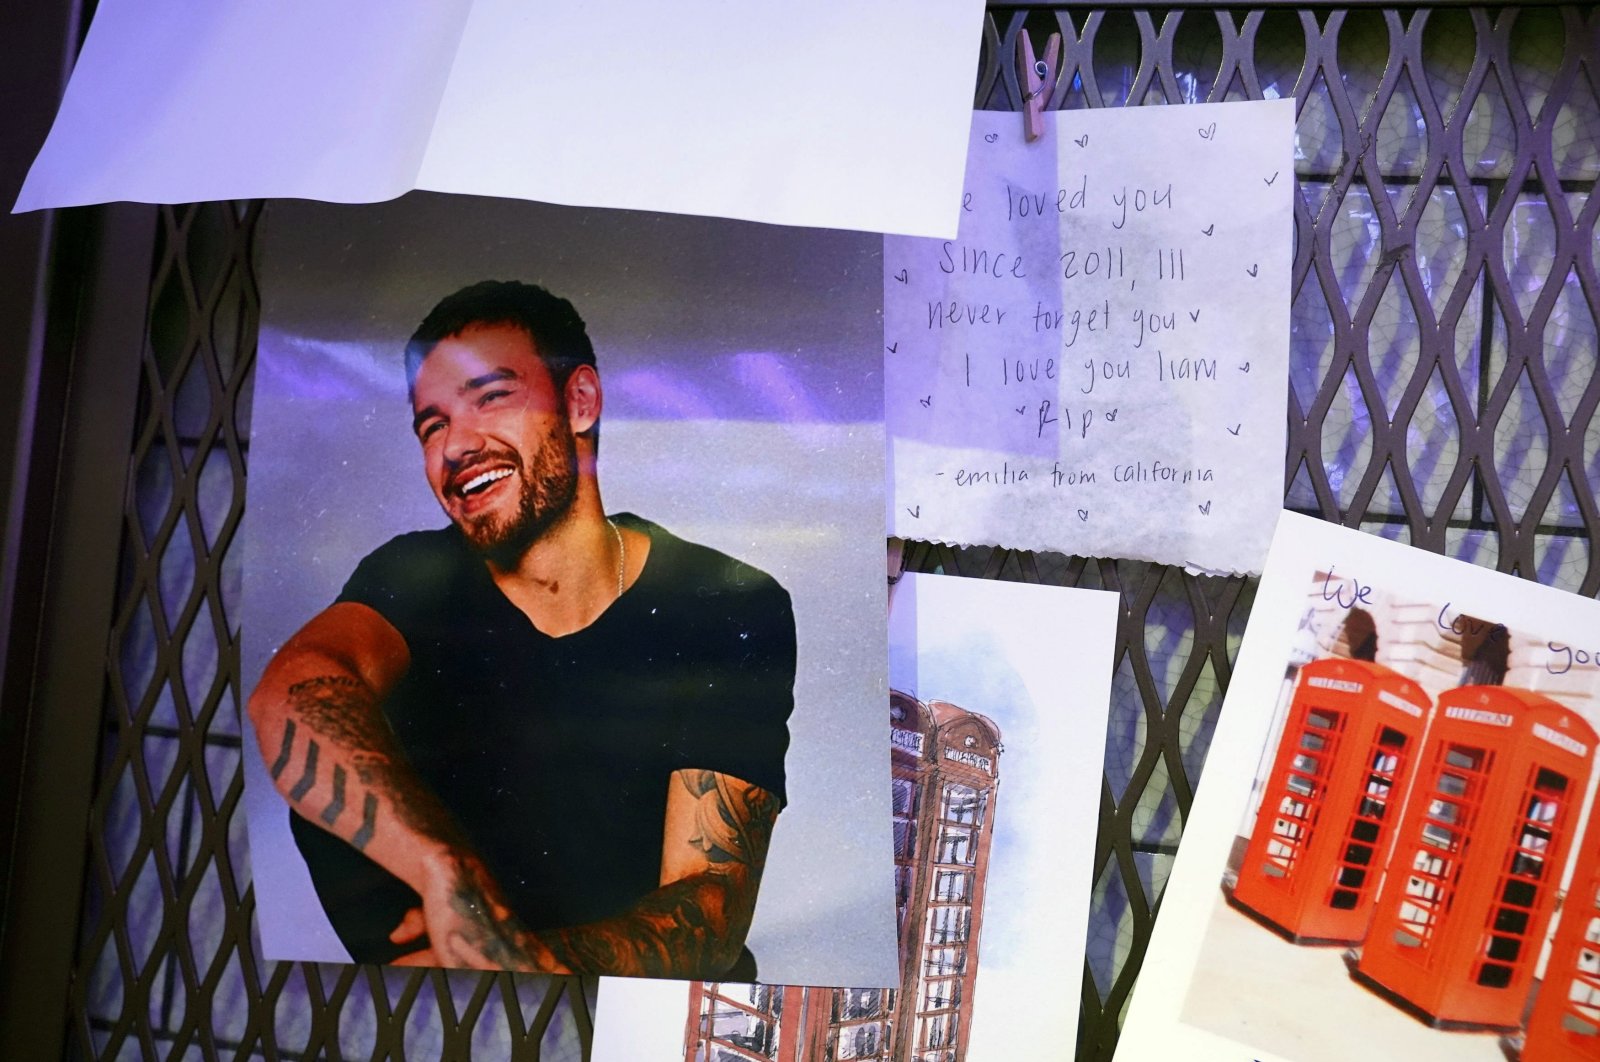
(496, 442)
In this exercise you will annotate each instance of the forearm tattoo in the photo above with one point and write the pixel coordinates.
(369, 822)
(680, 930)
(694, 927)
(341, 719)
(486, 927)
(331, 813)
(343, 710)
(309, 778)
(285, 750)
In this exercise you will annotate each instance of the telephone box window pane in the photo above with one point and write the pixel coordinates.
(956, 845)
(905, 840)
(952, 886)
(1511, 920)
(1291, 830)
(948, 925)
(905, 797)
(742, 1029)
(961, 804)
(1444, 811)
(1439, 837)
(942, 995)
(1429, 864)
(1520, 893)
(767, 998)
(858, 1003)
(939, 1030)
(1494, 975)
(859, 1041)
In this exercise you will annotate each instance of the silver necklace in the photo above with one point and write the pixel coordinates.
(622, 554)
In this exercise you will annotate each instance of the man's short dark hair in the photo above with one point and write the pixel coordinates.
(557, 331)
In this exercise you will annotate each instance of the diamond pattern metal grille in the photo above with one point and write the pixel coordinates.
(1442, 391)
(1443, 347)
(168, 963)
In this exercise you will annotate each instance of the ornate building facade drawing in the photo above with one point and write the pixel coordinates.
(945, 783)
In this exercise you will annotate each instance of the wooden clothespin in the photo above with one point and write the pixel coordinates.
(1037, 77)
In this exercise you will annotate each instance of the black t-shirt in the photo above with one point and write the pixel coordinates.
(554, 754)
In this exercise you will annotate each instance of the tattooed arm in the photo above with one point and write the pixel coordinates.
(319, 721)
(694, 925)
(712, 855)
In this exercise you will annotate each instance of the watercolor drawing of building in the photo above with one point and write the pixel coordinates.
(945, 778)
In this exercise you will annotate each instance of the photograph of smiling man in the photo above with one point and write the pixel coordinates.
(554, 731)
(647, 870)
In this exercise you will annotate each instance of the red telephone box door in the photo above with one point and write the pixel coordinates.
(1565, 1024)
(1329, 806)
(1483, 841)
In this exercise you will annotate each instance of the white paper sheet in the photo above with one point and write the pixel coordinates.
(176, 101)
(1037, 663)
(1216, 986)
(1098, 363)
(772, 113)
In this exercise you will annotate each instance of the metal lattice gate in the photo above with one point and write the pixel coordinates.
(1443, 391)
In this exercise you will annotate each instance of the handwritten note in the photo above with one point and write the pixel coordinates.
(1097, 363)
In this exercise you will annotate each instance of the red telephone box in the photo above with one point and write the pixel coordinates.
(1329, 806)
(1565, 1025)
(1470, 888)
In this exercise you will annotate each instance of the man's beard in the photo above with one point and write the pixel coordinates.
(549, 485)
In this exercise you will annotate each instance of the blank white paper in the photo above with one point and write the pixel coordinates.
(178, 101)
(807, 115)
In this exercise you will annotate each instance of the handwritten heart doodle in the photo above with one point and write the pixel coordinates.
(1209, 131)
(1083, 514)
(1209, 229)
(927, 403)
(902, 276)
(1252, 269)
(916, 514)
(1111, 416)
(989, 138)
(1235, 429)
(1269, 180)
(1206, 508)
(1082, 141)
